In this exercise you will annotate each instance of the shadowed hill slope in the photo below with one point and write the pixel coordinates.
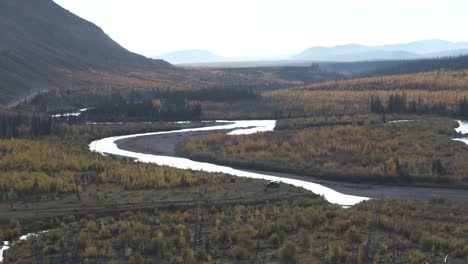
(40, 40)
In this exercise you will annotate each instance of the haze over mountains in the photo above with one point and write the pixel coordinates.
(40, 40)
(424, 49)
(197, 56)
(414, 50)
(192, 56)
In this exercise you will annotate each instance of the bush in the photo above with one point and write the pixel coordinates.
(156, 245)
(338, 255)
(415, 256)
(202, 255)
(353, 236)
(428, 243)
(276, 239)
(51, 249)
(288, 252)
(190, 257)
(239, 252)
(90, 252)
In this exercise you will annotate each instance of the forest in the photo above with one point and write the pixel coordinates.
(408, 152)
(163, 105)
(437, 92)
(37, 167)
(398, 104)
(26, 125)
(429, 80)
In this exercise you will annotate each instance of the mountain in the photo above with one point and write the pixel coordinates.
(414, 50)
(192, 56)
(40, 40)
(427, 46)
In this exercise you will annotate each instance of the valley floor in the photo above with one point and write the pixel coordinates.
(168, 145)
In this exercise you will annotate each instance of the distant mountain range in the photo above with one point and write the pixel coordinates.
(414, 50)
(40, 41)
(425, 49)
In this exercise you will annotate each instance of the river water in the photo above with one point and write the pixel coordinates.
(108, 146)
(462, 129)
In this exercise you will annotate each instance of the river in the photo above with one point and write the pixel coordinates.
(344, 194)
(108, 146)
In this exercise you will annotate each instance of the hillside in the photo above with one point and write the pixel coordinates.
(40, 40)
(395, 67)
(415, 50)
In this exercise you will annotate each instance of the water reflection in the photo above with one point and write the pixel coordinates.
(108, 146)
(462, 129)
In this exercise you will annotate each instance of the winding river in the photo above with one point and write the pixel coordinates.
(107, 146)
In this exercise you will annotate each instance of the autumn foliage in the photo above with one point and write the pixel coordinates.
(398, 152)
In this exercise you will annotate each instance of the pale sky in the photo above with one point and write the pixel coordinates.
(270, 27)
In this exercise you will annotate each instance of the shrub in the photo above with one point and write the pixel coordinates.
(288, 252)
(353, 236)
(156, 245)
(276, 239)
(239, 252)
(90, 252)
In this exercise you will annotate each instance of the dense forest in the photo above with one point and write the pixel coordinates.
(398, 104)
(164, 105)
(26, 125)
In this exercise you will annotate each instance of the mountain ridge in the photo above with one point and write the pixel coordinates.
(423, 49)
(40, 40)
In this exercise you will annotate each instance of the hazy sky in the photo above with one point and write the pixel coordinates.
(270, 27)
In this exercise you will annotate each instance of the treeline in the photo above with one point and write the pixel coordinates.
(296, 75)
(225, 94)
(399, 104)
(148, 110)
(162, 105)
(19, 125)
